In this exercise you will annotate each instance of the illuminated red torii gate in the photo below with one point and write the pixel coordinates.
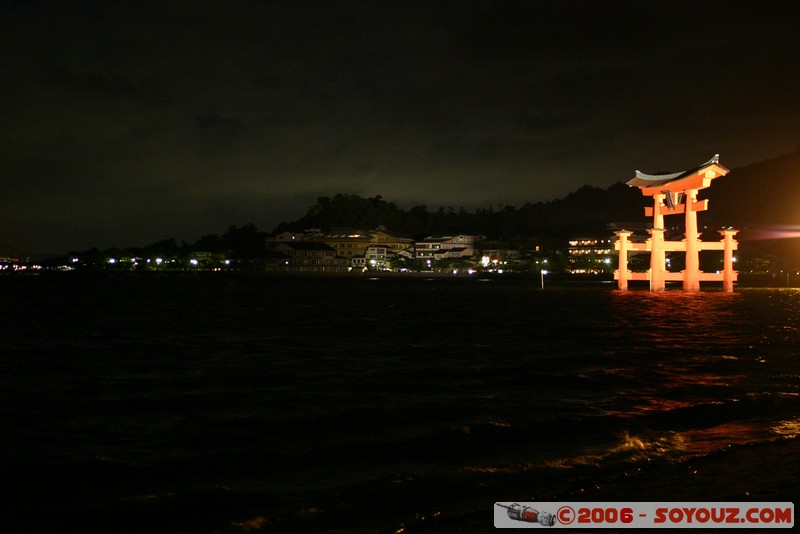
(673, 194)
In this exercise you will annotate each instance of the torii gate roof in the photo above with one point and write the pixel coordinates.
(697, 178)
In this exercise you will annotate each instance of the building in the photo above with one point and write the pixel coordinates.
(439, 247)
(379, 256)
(396, 243)
(304, 256)
(590, 255)
(500, 251)
(351, 242)
(347, 242)
(288, 236)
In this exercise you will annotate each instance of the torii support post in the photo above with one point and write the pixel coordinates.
(623, 274)
(728, 274)
(658, 260)
(691, 275)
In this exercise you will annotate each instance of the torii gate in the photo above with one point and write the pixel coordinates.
(673, 194)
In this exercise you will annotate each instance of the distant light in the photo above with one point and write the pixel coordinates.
(159, 260)
(112, 260)
(227, 262)
(544, 272)
(74, 260)
(193, 261)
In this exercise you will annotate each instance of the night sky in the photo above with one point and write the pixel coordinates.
(124, 123)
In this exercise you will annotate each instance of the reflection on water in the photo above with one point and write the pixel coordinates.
(710, 365)
(676, 446)
(788, 428)
(641, 404)
(708, 440)
(631, 449)
(672, 320)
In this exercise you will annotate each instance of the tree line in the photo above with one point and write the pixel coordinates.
(586, 209)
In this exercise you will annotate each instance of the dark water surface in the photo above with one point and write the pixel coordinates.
(213, 404)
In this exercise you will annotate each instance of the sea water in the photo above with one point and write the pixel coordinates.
(206, 403)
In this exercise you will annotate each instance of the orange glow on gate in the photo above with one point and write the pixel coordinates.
(675, 194)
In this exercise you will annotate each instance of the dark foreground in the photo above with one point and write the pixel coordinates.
(763, 472)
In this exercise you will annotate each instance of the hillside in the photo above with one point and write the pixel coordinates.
(761, 194)
(588, 209)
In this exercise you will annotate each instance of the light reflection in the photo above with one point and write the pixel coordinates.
(631, 448)
(692, 364)
(644, 405)
(708, 440)
(670, 446)
(788, 428)
(676, 446)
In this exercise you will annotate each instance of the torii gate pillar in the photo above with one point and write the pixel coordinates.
(658, 261)
(623, 245)
(691, 275)
(728, 274)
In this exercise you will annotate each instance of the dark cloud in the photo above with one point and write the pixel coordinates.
(126, 122)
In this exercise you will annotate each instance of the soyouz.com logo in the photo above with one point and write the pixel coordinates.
(644, 515)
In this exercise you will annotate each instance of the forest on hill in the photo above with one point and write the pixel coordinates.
(588, 209)
(764, 193)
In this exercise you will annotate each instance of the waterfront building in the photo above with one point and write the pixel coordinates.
(304, 256)
(438, 247)
(396, 243)
(352, 242)
(590, 254)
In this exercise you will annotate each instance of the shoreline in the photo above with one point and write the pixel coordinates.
(746, 281)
